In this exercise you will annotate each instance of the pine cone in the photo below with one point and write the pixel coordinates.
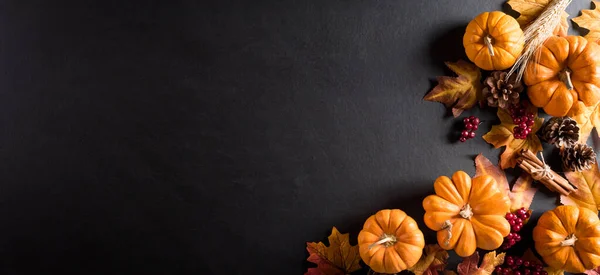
(501, 93)
(561, 131)
(578, 158)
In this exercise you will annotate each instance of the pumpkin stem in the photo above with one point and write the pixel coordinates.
(386, 240)
(488, 42)
(565, 76)
(569, 241)
(447, 226)
(466, 212)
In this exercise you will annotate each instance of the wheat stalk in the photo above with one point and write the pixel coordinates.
(536, 33)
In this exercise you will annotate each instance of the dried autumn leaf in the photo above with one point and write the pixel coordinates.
(595, 271)
(433, 260)
(529, 256)
(587, 119)
(490, 261)
(502, 135)
(522, 192)
(588, 189)
(590, 20)
(337, 259)
(529, 10)
(461, 92)
(553, 271)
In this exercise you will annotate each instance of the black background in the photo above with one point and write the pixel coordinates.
(218, 137)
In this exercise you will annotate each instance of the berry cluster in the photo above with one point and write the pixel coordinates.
(517, 266)
(471, 125)
(523, 119)
(516, 221)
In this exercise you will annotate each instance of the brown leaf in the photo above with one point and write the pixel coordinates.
(522, 192)
(529, 256)
(529, 10)
(490, 261)
(588, 189)
(433, 260)
(337, 259)
(461, 92)
(502, 135)
(587, 119)
(595, 271)
(590, 20)
(553, 271)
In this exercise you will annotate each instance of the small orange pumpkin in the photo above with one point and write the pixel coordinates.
(390, 241)
(568, 238)
(567, 71)
(467, 213)
(493, 41)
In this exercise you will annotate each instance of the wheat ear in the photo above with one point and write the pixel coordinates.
(536, 33)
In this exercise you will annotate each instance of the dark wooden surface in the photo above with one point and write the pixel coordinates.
(217, 137)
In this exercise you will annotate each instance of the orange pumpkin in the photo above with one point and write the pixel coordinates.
(390, 241)
(467, 213)
(568, 238)
(567, 71)
(493, 41)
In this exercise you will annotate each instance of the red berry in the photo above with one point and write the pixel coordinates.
(516, 120)
(518, 262)
(527, 272)
(462, 139)
(521, 211)
(516, 228)
(468, 126)
(471, 118)
(536, 273)
(464, 133)
(510, 261)
(539, 267)
(512, 242)
(517, 273)
(472, 134)
(526, 263)
(523, 125)
(519, 221)
(530, 116)
(466, 120)
(475, 121)
(544, 272)
(530, 123)
(512, 222)
(518, 238)
(509, 216)
(475, 127)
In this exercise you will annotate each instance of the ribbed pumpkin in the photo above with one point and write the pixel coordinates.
(567, 71)
(467, 213)
(568, 238)
(493, 41)
(390, 241)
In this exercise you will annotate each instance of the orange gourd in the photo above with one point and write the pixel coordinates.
(493, 41)
(390, 241)
(467, 213)
(567, 71)
(568, 238)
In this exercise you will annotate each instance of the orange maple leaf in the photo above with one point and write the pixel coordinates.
(588, 189)
(502, 135)
(522, 192)
(490, 261)
(590, 20)
(461, 92)
(337, 259)
(529, 10)
(434, 260)
(587, 119)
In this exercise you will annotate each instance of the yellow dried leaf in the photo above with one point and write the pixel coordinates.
(433, 260)
(587, 119)
(588, 189)
(553, 271)
(339, 258)
(490, 261)
(522, 192)
(590, 20)
(461, 92)
(529, 10)
(502, 135)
